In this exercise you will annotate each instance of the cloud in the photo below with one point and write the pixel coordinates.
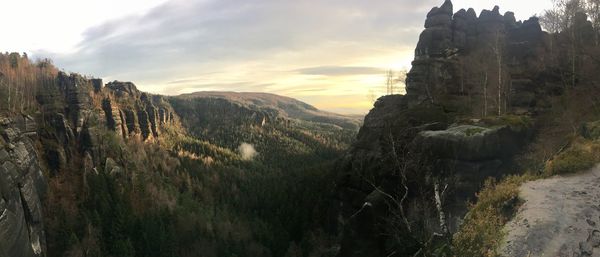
(247, 151)
(339, 70)
(250, 45)
(187, 36)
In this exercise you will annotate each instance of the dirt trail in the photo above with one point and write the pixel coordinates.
(560, 218)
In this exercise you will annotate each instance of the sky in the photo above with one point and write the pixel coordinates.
(332, 54)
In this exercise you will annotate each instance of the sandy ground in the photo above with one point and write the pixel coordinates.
(560, 218)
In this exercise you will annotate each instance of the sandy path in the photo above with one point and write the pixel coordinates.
(560, 218)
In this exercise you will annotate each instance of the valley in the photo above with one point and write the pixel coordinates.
(492, 151)
(127, 173)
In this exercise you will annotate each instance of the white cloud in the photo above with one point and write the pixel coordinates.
(242, 45)
(58, 25)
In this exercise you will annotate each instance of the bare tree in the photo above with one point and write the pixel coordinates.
(593, 11)
(439, 204)
(392, 79)
(484, 83)
(551, 21)
(401, 78)
(389, 82)
(497, 49)
(562, 19)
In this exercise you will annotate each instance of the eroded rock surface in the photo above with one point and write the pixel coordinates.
(420, 129)
(560, 217)
(79, 109)
(22, 186)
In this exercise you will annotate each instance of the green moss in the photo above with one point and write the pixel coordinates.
(481, 233)
(510, 120)
(473, 131)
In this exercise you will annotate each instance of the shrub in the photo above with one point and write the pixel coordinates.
(522, 121)
(580, 157)
(481, 233)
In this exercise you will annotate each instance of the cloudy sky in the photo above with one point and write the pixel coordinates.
(329, 53)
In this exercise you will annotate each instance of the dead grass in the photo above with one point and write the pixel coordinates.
(481, 233)
(582, 155)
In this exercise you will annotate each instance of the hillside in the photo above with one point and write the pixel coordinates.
(109, 170)
(281, 106)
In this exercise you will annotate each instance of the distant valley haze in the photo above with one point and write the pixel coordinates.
(330, 54)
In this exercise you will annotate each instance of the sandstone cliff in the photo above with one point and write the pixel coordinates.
(475, 87)
(76, 110)
(22, 187)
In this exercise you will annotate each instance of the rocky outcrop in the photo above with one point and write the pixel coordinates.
(409, 145)
(77, 111)
(136, 113)
(22, 188)
(472, 143)
(457, 52)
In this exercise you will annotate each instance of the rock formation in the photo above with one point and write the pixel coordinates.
(410, 145)
(77, 105)
(22, 187)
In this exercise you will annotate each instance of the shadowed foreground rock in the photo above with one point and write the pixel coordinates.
(22, 186)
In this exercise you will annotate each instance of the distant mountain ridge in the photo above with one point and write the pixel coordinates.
(281, 106)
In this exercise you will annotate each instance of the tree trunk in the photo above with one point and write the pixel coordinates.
(499, 58)
(440, 207)
(485, 103)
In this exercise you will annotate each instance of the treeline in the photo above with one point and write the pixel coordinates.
(575, 39)
(564, 14)
(20, 79)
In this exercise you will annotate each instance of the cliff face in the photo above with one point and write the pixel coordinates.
(474, 85)
(457, 54)
(71, 132)
(78, 109)
(22, 189)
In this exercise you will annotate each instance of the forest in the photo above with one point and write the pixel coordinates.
(189, 190)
